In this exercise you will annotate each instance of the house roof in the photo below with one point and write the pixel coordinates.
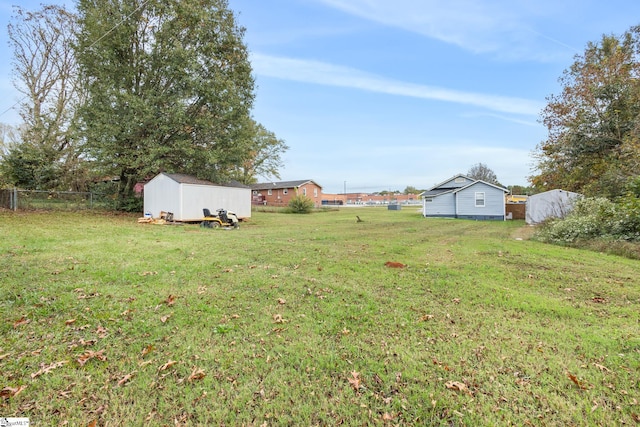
(282, 184)
(482, 182)
(181, 178)
(553, 192)
(441, 188)
(452, 179)
(437, 192)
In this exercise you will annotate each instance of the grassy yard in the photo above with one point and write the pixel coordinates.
(296, 320)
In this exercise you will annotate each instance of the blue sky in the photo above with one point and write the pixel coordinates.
(381, 95)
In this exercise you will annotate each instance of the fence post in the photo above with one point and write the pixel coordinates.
(14, 201)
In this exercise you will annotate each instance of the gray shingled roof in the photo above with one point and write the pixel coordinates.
(181, 178)
(281, 184)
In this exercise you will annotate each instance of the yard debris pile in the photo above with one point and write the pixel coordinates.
(165, 218)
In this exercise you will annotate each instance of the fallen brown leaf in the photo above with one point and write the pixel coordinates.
(9, 392)
(126, 378)
(147, 350)
(70, 322)
(602, 367)
(393, 264)
(164, 319)
(148, 273)
(387, 417)
(167, 365)
(101, 331)
(355, 380)
(576, 381)
(196, 374)
(171, 299)
(88, 355)
(457, 386)
(46, 369)
(21, 321)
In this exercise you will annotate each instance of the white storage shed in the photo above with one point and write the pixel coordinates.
(186, 196)
(550, 204)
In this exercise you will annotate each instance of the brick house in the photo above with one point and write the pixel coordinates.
(280, 193)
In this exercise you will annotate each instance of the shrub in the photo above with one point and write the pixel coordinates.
(300, 204)
(595, 218)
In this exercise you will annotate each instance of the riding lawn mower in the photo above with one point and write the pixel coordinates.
(222, 218)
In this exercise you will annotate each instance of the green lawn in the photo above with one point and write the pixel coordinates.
(296, 320)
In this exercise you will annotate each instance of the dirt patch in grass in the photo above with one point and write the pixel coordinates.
(524, 233)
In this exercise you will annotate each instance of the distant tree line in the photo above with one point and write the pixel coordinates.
(121, 90)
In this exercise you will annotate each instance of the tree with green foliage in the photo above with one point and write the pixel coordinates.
(593, 144)
(45, 72)
(482, 172)
(169, 88)
(411, 190)
(263, 159)
(521, 190)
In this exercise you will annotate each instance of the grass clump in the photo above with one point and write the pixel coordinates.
(296, 320)
(300, 204)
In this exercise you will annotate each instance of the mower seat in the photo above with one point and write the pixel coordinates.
(206, 212)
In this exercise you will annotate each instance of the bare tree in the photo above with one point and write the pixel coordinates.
(8, 139)
(45, 71)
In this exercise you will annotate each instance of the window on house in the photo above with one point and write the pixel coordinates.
(255, 192)
(480, 199)
(269, 192)
(304, 192)
(315, 192)
(285, 191)
(460, 180)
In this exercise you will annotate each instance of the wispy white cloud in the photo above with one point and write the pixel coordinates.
(532, 123)
(317, 72)
(502, 27)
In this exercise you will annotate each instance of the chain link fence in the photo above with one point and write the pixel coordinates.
(17, 199)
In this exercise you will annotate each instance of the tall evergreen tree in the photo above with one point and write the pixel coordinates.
(169, 87)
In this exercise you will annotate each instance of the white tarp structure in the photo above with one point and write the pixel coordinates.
(185, 197)
(550, 204)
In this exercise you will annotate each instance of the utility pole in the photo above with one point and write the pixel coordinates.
(345, 192)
